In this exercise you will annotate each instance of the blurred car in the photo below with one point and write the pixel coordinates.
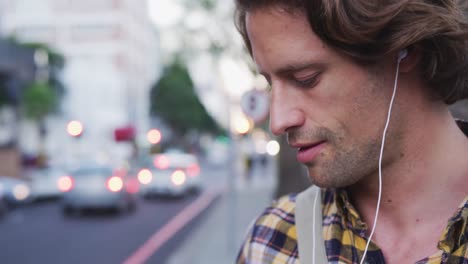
(15, 191)
(170, 174)
(44, 183)
(98, 187)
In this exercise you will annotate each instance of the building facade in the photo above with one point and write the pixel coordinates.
(111, 62)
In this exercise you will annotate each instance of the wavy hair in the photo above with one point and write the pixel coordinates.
(367, 31)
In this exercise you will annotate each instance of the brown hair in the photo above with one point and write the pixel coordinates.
(369, 30)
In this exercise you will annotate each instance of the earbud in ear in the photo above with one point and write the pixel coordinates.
(402, 54)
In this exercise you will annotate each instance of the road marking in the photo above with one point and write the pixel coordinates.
(161, 236)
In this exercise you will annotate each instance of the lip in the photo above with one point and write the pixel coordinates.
(307, 153)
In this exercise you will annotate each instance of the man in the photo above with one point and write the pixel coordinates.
(333, 67)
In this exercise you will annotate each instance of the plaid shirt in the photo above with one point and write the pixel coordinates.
(273, 237)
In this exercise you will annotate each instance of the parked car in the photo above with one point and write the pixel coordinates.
(44, 183)
(98, 187)
(15, 191)
(170, 174)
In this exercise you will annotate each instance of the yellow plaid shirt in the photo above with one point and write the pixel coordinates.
(273, 237)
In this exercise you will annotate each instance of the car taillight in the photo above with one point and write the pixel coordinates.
(178, 177)
(65, 183)
(193, 170)
(145, 176)
(161, 162)
(114, 184)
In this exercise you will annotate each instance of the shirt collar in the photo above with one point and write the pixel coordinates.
(339, 204)
(455, 236)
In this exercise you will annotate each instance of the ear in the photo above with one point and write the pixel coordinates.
(411, 61)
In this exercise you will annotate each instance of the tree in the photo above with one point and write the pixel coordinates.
(174, 100)
(38, 101)
(41, 97)
(55, 64)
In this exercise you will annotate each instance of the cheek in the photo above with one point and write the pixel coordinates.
(341, 93)
(357, 106)
(368, 110)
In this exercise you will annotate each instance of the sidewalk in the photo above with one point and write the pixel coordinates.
(218, 238)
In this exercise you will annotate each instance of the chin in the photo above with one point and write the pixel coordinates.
(330, 180)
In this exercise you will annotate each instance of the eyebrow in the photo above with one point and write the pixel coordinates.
(291, 68)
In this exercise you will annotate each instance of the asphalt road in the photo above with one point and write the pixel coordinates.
(40, 233)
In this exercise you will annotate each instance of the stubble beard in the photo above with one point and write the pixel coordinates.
(340, 164)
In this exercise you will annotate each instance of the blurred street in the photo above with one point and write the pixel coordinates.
(148, 108)
(40, 233)
(218, 238)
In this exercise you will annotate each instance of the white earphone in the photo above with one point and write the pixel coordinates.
(401, 55)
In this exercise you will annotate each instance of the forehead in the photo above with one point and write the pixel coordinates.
(279, 37)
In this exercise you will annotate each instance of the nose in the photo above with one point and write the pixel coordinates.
(285, 112)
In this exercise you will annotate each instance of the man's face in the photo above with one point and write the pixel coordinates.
(332, 110)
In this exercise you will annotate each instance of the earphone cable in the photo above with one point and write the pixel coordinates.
(380, 162)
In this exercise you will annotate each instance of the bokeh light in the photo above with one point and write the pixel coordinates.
(115, 184)
(241, 124)
(145, 176)
(154, 136)
(161, 162)
(21, 192)
(75, 128)
(65, 183)
(273, 147)
(178, 177)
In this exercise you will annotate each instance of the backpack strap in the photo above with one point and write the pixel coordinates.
(308, 223)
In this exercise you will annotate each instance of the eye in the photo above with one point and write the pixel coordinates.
(306, 82)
